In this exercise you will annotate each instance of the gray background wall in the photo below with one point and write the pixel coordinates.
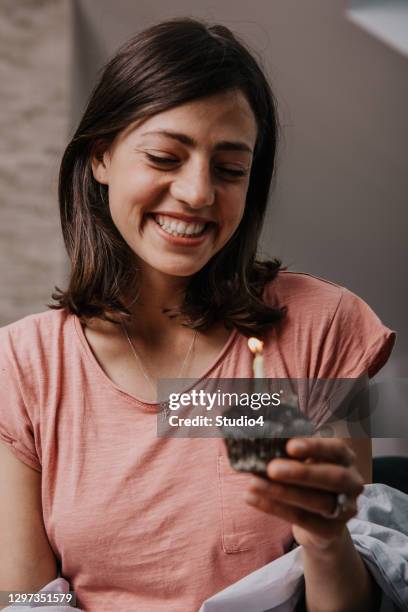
(339, 208)
(34, 109)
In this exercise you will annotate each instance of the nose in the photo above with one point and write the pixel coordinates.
(194, 186)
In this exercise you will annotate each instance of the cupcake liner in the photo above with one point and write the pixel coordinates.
(251, 447)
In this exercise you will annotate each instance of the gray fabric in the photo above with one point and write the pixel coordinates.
(380, 534)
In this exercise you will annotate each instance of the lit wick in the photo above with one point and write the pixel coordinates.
(255, 346)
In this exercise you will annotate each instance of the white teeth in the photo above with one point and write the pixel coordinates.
(178, 228)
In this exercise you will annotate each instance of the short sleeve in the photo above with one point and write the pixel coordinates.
(16, 429)
(356, 346)
(357, 343)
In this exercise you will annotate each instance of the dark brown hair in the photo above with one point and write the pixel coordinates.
(164, 66)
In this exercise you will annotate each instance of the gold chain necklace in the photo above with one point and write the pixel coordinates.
(145, 374)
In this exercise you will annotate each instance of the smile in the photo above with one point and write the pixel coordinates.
(179, 228)
(179, 232)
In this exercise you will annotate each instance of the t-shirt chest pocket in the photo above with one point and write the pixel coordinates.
(244, 527)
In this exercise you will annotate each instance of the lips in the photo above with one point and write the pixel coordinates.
(184, 218)
(164, 220)
(180, 240)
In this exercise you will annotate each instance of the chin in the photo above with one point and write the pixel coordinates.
(183, 273)
(180, 271)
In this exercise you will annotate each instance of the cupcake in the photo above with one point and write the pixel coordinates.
(254, 438)
(252, 446)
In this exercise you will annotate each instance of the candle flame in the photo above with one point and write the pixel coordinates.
(255, 345)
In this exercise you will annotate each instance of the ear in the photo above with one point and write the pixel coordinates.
(100, 161)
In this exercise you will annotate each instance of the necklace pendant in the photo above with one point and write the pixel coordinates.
(165, 411)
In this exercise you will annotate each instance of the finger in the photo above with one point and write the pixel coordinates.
(332, 450)
(324, 476)
(316, 524)
(311, 500)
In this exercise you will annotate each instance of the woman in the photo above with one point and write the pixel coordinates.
(163, 191)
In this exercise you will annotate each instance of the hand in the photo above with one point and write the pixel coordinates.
(303, 490)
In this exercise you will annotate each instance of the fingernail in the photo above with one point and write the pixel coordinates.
(257, 483)
(278, 470)
(251, 498)
(298, 445)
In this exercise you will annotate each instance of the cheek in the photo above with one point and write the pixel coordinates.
(234, 207)
(132, 192)
(230, 218)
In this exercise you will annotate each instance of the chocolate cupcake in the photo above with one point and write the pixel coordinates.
(254, 438)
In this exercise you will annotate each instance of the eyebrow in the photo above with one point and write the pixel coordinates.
(224, 145)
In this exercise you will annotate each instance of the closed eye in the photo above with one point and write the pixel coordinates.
(161, 160)
(233, 172)
(168, 161)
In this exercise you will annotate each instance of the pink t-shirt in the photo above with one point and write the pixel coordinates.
(146, 523)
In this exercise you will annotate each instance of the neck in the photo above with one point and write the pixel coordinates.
(155, 293)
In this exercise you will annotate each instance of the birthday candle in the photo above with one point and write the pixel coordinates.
(256, 346)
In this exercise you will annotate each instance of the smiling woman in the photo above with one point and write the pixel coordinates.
(187, 132)
(163, 192)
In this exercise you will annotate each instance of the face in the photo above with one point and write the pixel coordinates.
(171, 173)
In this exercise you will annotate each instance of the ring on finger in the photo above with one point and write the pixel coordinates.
(342, 505)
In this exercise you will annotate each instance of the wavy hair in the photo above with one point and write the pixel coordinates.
(166, 65)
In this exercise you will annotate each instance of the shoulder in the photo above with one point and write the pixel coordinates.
(29, 363)
(295, 284)
(30, 360)
(29, 337)
(307, 294)
(39, 322)
(304, 294)
(329, 326)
